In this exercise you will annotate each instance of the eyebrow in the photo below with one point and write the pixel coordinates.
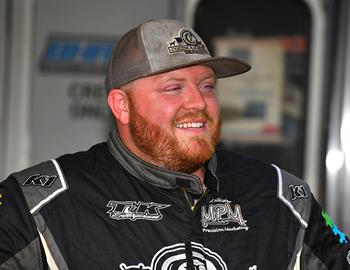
(175, 78)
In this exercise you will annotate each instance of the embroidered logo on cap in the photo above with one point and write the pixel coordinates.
(188, 43)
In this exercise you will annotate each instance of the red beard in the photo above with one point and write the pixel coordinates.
(165, 150)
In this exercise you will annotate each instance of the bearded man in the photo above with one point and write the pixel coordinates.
(157, 194)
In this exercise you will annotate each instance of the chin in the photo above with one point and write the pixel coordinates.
(199, 151)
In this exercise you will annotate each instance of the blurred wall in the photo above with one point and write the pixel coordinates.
(55, 100)
(69, 102)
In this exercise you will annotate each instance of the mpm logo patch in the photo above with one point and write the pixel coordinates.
(222, 215)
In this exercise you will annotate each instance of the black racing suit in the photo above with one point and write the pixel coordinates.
(107, 209)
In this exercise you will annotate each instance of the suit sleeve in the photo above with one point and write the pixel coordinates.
(20, 246)
(325, 246)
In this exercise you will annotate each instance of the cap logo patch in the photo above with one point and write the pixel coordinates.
(188, 43)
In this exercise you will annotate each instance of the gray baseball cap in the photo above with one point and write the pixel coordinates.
(159, 46)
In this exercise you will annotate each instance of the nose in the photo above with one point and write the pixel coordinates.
(195, 99)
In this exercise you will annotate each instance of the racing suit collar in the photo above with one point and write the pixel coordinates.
(159, 176)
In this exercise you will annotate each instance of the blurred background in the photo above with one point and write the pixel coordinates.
(292, 109)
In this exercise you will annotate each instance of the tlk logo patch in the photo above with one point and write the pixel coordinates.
(188, 43)
(221, 215)
(297, 192)
(132, 210)
(41, 180)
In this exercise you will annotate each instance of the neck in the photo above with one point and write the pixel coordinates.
(200, 174)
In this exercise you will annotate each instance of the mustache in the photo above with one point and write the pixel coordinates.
(192, 115)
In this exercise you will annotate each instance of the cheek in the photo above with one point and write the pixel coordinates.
(213, 107)
(157, 113)
(166, 115)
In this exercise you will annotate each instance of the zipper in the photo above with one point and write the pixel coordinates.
(188, 245)
(194, 204)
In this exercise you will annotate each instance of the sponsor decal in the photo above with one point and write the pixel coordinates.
(187, 43)
(254, 267)
(297, 192)
(174, 258)
(41, 180)
(71, 53)
(348, 257)
(222, 215)
(87, 101)
(132, 210)
(334, 228)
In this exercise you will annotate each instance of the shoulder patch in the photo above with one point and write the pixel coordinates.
(296, 194)
(41, 183)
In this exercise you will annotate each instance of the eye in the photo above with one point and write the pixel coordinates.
(172, 90)
(207, 87)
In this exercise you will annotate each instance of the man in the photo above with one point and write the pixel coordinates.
(157, 195)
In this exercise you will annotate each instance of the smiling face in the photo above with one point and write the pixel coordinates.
(173, 118)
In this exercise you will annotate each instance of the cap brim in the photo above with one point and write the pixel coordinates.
(222, 66)
(225, 66)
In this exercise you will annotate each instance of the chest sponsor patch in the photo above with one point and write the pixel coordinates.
(174, 258)
(222, 215)
(133, 210)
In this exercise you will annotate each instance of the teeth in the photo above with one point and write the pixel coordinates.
(190, 125)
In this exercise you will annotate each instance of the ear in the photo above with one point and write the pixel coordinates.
(118, 101)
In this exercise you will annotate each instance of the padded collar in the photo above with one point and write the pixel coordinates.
(158, 176)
